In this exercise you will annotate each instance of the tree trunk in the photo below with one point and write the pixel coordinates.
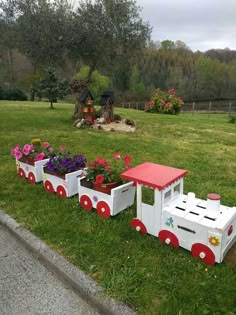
(32, 96)
(107, 112)
(11, 67)
(77, 111)
(51, 105)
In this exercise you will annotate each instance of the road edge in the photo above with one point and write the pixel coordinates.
(71, 275)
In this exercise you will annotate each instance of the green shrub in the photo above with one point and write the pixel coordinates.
(2, 93)
(15, 94)
(164, 102)
(232, 118)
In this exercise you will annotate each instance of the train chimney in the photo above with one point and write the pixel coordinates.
(213, 204)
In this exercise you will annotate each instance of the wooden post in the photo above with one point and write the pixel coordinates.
(139, 201)
(229, 110)
(193, 108)
(209, 109)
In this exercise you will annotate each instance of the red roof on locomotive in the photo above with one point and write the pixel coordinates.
(153, 175)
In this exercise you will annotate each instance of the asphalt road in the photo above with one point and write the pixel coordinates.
(27, 287)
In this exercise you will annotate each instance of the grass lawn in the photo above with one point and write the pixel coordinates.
(136, 269)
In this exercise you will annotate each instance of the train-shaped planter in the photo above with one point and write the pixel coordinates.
(64, 186)
(33, 171)
(205, 228)
(106, 205)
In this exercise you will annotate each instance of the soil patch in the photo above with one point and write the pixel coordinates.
(122, 127)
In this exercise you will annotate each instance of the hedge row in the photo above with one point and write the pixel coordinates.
(14, 94)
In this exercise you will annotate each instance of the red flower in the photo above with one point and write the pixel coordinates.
(127, 159)
(63, 148)
(99, 179)
(116, 156)
(100, 161)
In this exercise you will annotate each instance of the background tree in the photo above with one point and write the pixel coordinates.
(42, 31)
(110, 32)
(8, 37)
(136, 84)
(51, 87)
(98, 82)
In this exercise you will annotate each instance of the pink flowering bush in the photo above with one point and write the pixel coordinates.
(164, 102)
(101, 171)
(37, 150)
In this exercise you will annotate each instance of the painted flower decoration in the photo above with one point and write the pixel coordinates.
(213, 240)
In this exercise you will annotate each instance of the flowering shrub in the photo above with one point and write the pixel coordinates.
(164, 102)
(37, 150)
(63, 162)
(101, 171)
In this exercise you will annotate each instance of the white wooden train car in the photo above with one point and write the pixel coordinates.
(32, 172)
(64, 187)
(106, 205)
(205, 228)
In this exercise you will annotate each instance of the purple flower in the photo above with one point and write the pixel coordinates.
(65, 163)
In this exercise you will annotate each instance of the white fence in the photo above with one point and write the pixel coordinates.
(193, 107)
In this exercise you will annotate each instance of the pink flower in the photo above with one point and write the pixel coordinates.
(116, 156)
(40, 156)
(99, 179)
(27, 149)
(18, 155)
(62, 148)
(172, 91)
(162, 102)
(15, 149)
(45, 144)
(127, 159)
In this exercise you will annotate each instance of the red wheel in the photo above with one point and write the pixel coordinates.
(21, 173)
(138, 226)
(204, 253)
(61, 192)
(31, 178)
(86, 202)
(48, 187)
(168, 238)
(103, 209)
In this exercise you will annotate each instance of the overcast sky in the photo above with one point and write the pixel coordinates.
(201, 24)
